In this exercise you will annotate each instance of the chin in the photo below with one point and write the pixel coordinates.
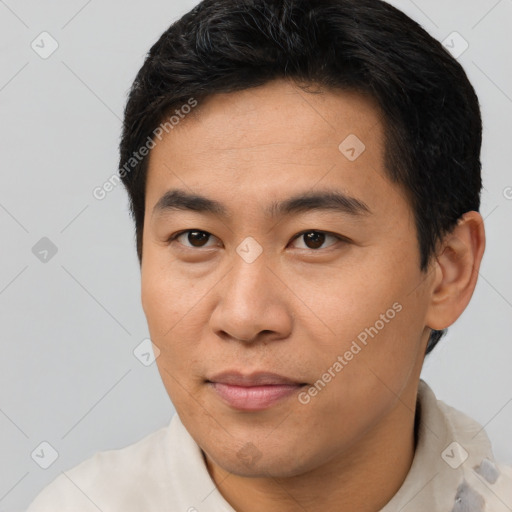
(250, 462)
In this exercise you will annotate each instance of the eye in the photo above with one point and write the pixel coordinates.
(315, 239)
(192, 238)
(312, 239)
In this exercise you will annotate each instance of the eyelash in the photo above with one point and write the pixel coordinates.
(339, 238)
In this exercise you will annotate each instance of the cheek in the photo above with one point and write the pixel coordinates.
(357, 383)
(375, 339)
(166, 294)
(176, 319)
(170, 330)
(160, 303)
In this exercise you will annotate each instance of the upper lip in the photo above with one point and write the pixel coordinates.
(235, 378)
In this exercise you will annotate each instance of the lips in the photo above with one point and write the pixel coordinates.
(253, 392)
(253, 379)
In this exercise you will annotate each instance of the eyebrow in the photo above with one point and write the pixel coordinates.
(327, 200)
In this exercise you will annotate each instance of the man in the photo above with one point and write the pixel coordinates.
(306, 212)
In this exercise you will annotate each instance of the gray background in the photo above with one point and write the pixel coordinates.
(70, 324)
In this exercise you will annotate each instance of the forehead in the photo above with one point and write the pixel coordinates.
(279, 112)
(270, 142)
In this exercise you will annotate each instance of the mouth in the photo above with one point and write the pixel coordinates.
(254, 392)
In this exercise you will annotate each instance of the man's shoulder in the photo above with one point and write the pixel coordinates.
(467, 451)
(107, 477)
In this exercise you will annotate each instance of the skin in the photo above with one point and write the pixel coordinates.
(296, 307)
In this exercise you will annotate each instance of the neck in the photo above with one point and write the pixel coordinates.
(364, 477)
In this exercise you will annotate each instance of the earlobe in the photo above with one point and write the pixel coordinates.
(456, 267)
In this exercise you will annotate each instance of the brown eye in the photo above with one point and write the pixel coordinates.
(315, 239)
(193, 238)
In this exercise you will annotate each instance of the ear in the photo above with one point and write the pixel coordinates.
(456, 271)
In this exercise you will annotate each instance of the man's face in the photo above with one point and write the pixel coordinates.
(288, 291)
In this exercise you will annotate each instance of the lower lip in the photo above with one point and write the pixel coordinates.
(254, 398)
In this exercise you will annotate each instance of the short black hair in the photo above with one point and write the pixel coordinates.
(429, 109)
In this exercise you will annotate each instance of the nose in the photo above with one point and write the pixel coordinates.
(252, 304)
